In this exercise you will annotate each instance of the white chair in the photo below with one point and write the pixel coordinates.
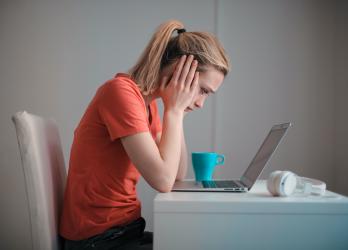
(45, 176)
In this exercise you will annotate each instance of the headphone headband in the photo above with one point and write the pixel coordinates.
(313, 186)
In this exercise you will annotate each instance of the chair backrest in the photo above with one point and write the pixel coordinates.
(45, 176)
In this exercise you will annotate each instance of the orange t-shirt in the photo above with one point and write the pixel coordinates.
(101, 185)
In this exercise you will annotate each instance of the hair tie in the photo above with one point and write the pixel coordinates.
(181, 31)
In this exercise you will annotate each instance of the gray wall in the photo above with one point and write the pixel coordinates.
(341, 97)
(282, 70)
(289, 63)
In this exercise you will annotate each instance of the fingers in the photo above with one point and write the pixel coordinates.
(178, 69)
(164, 82)
(191, 74)
(184, 73)
(194, 84)
(185, 70)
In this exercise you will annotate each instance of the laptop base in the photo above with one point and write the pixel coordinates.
(209, 186)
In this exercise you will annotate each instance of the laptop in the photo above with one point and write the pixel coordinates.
(250, 175)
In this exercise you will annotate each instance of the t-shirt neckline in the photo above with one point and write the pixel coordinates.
(123, 74)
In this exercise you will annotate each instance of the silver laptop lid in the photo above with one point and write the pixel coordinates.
(265, 152)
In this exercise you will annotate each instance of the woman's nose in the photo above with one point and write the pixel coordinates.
(200, 102)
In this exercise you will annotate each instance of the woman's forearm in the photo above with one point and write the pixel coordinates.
(170, 144)
(182, 171)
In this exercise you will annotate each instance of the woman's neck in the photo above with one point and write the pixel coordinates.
(149, 98)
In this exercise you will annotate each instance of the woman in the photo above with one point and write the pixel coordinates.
(120, 137)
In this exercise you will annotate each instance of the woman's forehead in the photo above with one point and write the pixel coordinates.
(211, 78)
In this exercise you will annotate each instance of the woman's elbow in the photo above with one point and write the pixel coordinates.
(164, 190)
(164, 185)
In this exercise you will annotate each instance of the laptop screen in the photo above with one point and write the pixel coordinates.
(264, 154)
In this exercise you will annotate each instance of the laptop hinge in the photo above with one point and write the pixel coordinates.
(243, 183)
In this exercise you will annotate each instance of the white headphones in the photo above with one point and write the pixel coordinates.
(285, 183)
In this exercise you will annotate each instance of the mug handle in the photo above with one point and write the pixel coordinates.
(220, 159)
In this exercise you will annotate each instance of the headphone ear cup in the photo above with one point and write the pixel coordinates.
(281, 183)
(289, 185)
(271, 182)
(285, 183)
(276, 183)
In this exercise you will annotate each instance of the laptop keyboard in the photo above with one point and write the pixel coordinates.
(220, 184)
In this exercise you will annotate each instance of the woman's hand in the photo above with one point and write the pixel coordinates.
(178, 93)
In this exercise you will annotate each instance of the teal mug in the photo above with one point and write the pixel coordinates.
(204, 164)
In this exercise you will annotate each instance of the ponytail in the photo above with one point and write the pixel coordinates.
(147, 70)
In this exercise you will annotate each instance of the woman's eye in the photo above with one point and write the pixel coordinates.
(204, 91)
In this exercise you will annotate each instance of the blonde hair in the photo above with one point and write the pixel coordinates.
(164, 49)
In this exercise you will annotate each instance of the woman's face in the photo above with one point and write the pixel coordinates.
(208, 83)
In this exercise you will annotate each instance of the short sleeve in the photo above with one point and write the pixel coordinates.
(122, 108)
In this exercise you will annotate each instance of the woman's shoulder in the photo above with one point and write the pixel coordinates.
(121, 83)
(120, 88)
(121, 80)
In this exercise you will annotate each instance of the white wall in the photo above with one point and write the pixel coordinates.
(55, 54)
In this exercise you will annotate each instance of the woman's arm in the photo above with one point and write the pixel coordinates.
(159, 164)
(183, 164)
(182, 171)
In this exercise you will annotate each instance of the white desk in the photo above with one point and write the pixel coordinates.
(253, 220)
